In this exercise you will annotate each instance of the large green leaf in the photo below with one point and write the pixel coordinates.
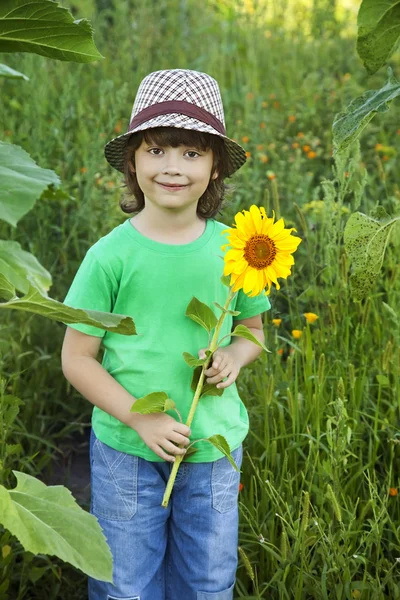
(43, 27)
(244, 332)
(154, 402)
(18, 266)
(220, 442)
(37, 302)
(365, 240)
(378, 32)
(348, 125)
(47, 520)
(21, 182)
(192, 361)
(201, 313)
(11, 73)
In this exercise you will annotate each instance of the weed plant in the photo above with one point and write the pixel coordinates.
(319, 504)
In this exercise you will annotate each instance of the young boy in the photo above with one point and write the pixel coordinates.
(175, 156)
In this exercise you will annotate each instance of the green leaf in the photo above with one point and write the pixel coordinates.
(156, 402)
(226, 280)
(6, 71)
(21, 182)
(383, 380)
(222, 445)
(208, 389)
(43, 27)
(378, 32)
(37, 302)
(47, 520)
(235, 313)
(20, 267)
(348, 125)
(244, 332)
(192, 361)
(201, 313)
(365, 240)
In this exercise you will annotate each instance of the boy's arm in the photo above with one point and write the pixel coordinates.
(159, 431)
(85, 373)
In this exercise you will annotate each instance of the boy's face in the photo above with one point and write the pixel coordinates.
(173, 178)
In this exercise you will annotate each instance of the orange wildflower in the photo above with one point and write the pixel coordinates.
(300, 134)
(260, 147)
(291, 118)
(248, 154)
(385, 157)
(262, 125)
(264, 158)
(271, 175)
(241, 486)
(276, 104)
(118, 127)
(83, 170)
(111, 184)
(393, 492)
(295, 145)
(280, 351)
(346, 174)
(311, 154)
(250, 96)
(276, 322)
(245, 139)
(306, 148)
(296, 333)
(378, 147)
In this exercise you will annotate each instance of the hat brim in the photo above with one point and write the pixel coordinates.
(114, 150)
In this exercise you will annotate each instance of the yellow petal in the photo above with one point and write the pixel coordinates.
(256, 216)
(233, 254)
(276, 228)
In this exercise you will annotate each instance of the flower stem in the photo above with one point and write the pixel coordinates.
(213, 345)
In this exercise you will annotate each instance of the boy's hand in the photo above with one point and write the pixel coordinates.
(224, 364)
(161, 432)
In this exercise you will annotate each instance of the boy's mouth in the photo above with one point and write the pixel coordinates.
(171, 186)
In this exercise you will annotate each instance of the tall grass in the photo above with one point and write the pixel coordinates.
(319, 514)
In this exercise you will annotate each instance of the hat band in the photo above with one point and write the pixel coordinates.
(177, 106)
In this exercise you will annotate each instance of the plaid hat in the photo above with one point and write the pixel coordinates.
(177, 98)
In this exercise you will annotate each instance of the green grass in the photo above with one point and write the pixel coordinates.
(317, 520)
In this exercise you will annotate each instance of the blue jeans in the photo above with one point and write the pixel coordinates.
(187, 551)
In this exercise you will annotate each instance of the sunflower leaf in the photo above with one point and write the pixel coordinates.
(226, 280)
(209, 389)
(365, 240)
(155, 402)
(192, 361)
(222, 445)
(244, 332)
(378, 32)
(202, 314)
(224, 310)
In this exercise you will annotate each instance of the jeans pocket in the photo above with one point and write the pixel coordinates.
(114, 483)
(224, 595)
(225, 482)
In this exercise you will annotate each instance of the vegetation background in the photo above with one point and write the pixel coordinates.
(319, 494)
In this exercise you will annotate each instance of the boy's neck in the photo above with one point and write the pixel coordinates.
(169, 228)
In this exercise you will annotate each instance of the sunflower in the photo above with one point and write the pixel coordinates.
(259, 251)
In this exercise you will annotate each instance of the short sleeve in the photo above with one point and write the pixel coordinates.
(250, 307)
(91, 289)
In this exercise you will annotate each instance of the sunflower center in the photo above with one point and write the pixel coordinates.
(260, 251)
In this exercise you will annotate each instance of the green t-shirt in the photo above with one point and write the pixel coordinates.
(129, 274)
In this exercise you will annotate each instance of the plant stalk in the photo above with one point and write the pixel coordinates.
(213, 346)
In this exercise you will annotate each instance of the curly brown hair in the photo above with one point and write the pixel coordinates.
(211, 202)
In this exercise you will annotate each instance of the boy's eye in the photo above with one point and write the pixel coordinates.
(193, 152)
(155, 151)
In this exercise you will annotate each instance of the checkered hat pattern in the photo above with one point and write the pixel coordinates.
(191, 92)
